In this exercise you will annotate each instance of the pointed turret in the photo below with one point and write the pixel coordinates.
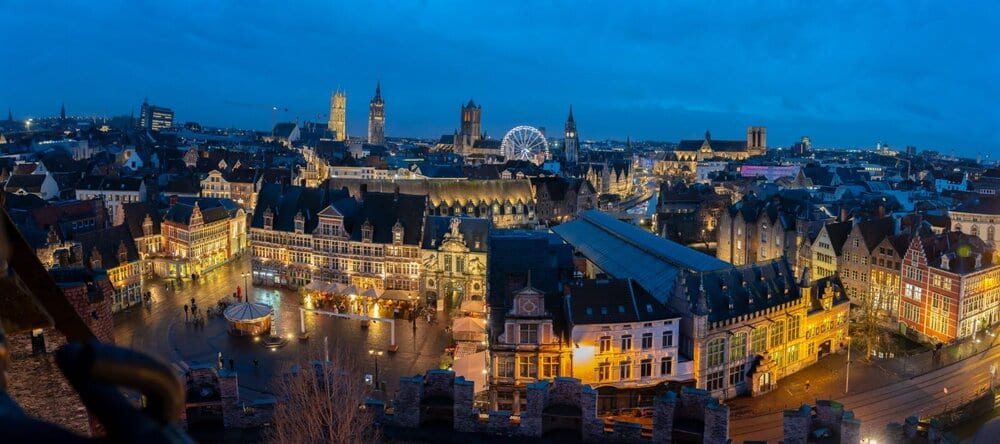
(570, 118)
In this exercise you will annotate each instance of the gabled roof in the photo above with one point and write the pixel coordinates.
(107, 242)
(838, 233)
(212, 209)
(31, 183)
(612, 301)
(109, 183)
(284, 130)
(135, 216)
(873, 231)
(981, 205)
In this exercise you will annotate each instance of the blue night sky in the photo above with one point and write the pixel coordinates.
(846, 74)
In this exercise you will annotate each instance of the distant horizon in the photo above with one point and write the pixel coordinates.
(847, 75)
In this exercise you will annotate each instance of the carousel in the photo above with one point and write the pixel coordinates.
(249, 318)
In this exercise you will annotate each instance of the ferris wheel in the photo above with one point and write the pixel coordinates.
(525, 143)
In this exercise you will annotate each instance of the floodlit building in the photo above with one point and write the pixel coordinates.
(200, 234)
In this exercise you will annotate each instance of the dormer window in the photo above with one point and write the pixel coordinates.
(122, 253)
(95, 259)
(397, 234)
(300, 223)
(367, 232)
(147, 226)
(268, 219)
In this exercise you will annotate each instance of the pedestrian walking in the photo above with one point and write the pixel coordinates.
(220, 361)
(185, 312)
(807, 385)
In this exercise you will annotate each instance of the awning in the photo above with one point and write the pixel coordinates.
(473, 306)
(371, 292)
(350, 290)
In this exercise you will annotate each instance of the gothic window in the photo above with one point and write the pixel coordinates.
(147, 226)
(738, 347)
(122, 254)
(975, 230)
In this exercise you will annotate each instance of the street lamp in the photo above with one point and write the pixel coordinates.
(375, 354)
(246, 274)
(847, 379)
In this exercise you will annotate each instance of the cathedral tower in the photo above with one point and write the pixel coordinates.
(472, 122)
(376, 117)
(571, 143)
(756, 140)
(338, 115)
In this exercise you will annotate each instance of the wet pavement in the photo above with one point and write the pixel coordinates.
(161, 330)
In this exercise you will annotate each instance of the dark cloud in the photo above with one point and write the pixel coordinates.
(845, 73)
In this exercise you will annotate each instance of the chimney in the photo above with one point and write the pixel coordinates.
(362, 190)
(173, 199)
(843, 214)
(881, 211)
(979, 260)
(945, 262)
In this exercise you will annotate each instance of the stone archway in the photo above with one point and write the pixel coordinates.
(562, 423)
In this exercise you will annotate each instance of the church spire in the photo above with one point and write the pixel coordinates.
(378, 89)
(10, 116)
(62, 112)
(570, 118)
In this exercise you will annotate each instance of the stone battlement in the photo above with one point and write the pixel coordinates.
(562, 407)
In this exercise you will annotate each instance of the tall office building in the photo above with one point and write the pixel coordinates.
(376, 117)
(152, 117)
(338, 115)
(571, 143)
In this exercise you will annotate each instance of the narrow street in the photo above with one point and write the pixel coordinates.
(878, 396)
(161, 330)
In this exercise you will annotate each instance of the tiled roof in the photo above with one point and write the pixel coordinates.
(107, 242)
(383, 211)
(109, 183)
(135, 216)
(31, 183)
(612, 301)
(981, 205)
(738, 291)
(287, 202)
(212, 210)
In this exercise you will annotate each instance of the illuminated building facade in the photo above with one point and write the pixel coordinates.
(454, 260)
(200, 234)
(300, 235)
(753, 325)
(949, 287)
(624, 340)
(979, 218)
(338, 115)
(471, 129)
(858, 253)
(238, 185)
(376, 117)
(558, 199)
(114, 250)
(741, 328)
(527, 350)
(826, 250)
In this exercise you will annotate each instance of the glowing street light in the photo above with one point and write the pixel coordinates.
(847, 378)
(375, 354)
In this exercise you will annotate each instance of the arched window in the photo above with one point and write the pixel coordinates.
(975, 230)
(990, 232)
(716, 352)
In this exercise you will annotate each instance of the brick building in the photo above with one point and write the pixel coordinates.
(949, 287)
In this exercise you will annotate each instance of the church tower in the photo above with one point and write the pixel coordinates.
(571, 143)
(62, 112)
(757, 140)
(338, 115)
(472, 122)
(376, 117)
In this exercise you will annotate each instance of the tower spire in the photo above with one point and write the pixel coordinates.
(570, 119)
(378, 89)
(10, 116)
(62, 112)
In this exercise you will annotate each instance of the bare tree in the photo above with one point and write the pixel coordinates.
(323, 402)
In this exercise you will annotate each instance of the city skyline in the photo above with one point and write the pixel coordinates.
(880, 73)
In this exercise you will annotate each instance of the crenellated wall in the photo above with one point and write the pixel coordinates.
(562, 405)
